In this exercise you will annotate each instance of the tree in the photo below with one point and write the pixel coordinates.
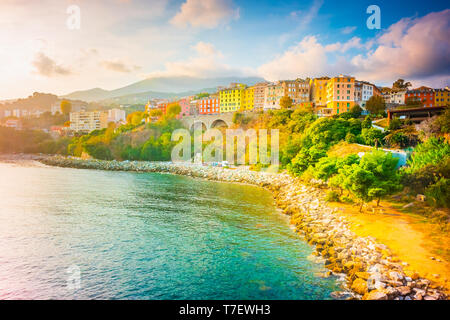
(66, 107)
(376, 105)
(356, 111)
(285, 102)
(173, 110)
(135, 118)
(401, 84)
(156, 113)
(374, 177)
(372, 136)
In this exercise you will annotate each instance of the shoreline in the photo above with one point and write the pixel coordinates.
(369, 268)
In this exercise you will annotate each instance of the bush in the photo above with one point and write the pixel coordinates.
(332, 196)
(438, 194)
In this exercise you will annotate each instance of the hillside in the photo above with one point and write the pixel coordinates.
(160, 87)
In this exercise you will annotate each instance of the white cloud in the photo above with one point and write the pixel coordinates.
(208, 62)
(354, 42)
(47, 67)
(205, 13)
(307, 58)
(410, 49)
(348, 30)
(118, 65)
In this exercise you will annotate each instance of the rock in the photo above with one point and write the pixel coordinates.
(359, 286)
(409, 205)
(404, 290)
(375, 295)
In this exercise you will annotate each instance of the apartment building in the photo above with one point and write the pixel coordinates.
(272, 95)
(209, 105)
(298, 90)
(319, 91)
(258, 95)
(85, 122)
(424, 94)
(340, 95)
(248, 99)
(441, 97)
(231, 97)
(116, 116)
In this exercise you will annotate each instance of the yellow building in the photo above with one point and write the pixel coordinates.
(248, 99)
(340, 95)
(231, 98)
(441, 97)
(319, 91)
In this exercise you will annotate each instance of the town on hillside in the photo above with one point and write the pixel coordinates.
(325, 96)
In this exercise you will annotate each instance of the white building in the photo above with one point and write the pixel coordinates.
(86, 122)
(116, 116)
(363, 92)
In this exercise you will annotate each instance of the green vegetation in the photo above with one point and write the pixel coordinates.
(375, 105)
(66, 107)
(286, 102)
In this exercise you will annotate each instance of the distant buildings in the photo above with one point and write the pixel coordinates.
(85, 122)
(208, 105)
(13, 123)
(272, 95)
(231, 97)
(258, 95)
(116, 116)
(340, 94)
(422, 94)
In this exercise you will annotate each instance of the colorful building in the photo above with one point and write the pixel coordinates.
(231, 97)
(248, 99)
(423, 94)
(258, 95)
(272, 95)
(442, 97)
(319, 91)
(340, 95)
(298, 90)
(209, 105)
(185, 105)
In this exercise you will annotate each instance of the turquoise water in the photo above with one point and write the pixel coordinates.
(146, 236)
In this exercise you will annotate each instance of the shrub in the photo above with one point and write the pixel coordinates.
(332, 196)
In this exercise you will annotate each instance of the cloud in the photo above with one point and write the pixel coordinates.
(307, 58)
(306, 17)
(354, 42)
(205, 13)
(413, 49)
(47, 67)
(348, 30)
(206, 63)
(118, 65)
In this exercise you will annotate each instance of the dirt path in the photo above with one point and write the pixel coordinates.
(415, 240)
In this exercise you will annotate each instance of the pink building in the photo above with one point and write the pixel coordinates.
(185, 107)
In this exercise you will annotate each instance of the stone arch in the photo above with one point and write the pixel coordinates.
(219, 123)
(204, 126)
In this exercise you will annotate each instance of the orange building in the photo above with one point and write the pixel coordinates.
(422, 94)
(340, 94)
(208, 105)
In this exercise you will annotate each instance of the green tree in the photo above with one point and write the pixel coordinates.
(376, 105)
(66, 107)
(173, 110)
(285, 102)
(401, 84)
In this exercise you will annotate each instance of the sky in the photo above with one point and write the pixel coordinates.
(119, 42)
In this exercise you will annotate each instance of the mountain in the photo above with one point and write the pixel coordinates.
(161, 86)
(143, 97)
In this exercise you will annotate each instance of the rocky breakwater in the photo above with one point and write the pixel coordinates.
(369, 269)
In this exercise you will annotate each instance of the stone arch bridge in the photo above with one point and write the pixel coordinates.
(209, 121)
